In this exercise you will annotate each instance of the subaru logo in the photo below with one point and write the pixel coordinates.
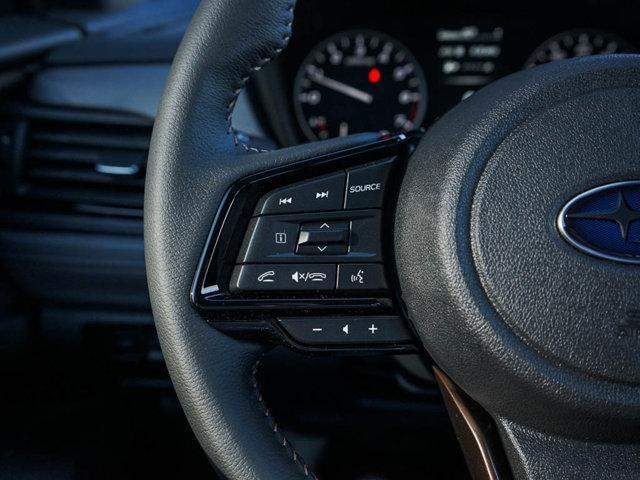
(605, 222)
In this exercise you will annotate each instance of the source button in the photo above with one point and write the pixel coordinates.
(366, 185)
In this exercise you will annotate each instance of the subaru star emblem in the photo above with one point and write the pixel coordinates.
(605, 222)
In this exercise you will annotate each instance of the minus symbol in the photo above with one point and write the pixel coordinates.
(317, 329)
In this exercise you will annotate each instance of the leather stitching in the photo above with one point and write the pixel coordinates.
(286, 36)
(281, 438)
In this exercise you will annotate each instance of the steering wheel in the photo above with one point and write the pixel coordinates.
(506, 246)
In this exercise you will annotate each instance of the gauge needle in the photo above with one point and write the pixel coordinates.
(343, 88)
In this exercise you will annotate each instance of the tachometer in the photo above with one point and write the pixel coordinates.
(578, 43)
(359, 81)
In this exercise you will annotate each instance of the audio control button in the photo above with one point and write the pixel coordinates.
(366, 185)
(316, 195)
(343, 331)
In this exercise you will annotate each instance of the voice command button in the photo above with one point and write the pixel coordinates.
(361, 276)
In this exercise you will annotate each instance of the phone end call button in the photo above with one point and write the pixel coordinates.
(295, 277)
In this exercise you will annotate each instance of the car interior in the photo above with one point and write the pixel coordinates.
(350, 240)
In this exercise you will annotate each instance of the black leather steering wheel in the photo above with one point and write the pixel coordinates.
(538, 332)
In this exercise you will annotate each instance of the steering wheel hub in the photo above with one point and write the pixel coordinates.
(496, 293)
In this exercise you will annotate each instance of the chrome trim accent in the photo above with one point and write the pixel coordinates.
(475, 431)
(129, 170)
(562, 226)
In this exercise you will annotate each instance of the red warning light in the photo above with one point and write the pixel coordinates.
(374, 75)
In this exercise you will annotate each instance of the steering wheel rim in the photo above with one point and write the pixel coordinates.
(195, 157)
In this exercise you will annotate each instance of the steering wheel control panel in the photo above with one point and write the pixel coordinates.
(300, 253)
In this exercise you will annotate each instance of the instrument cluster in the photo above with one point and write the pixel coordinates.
(361, 66)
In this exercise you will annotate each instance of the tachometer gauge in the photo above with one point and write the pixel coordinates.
(359, 81)
(578, 43)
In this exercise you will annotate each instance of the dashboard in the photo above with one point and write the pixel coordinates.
(76, 130)
(80, 93)
(391, 66)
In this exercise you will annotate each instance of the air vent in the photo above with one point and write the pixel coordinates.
(91, 166)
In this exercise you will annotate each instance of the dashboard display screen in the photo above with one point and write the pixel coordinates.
(379, 66)
(359, 81)
(578, 43)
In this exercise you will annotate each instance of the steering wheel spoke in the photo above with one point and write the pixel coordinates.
(496, 448)
(298, 252)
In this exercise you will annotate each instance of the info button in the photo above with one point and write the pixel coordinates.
(366, 185)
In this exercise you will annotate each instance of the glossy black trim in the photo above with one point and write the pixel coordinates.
(257, 313)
